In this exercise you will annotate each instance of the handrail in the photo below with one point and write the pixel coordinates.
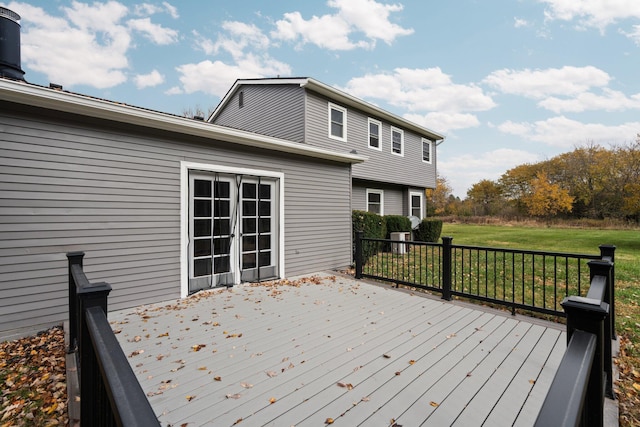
(110, 394)
(564, 403)
(129, 403)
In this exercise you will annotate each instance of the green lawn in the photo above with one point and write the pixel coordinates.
(575, 240)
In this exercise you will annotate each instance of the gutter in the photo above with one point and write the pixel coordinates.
(38, 96)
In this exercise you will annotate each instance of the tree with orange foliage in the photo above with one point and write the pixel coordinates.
(547, 199)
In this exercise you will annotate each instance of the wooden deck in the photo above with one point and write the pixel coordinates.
(335, 349)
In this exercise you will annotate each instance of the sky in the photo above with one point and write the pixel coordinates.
(507, 82)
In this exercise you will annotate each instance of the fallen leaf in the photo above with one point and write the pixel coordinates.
(233, 396)
(532, 381)
(190, 398)
(434, 404)
(198, 347)
(636, 386)
(398, 372)
(411, 362)
(328, 421)
(202, 368)
(348, 386)
(366, 399)
(386, 356)
(246, 385)
(271, 374)
(217, 378)
(272, 400)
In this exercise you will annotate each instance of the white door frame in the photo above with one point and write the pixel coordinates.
(185, 167)
(421, 195)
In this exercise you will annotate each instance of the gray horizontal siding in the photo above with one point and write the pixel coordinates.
(276, 111)
(381, 165)
(114, 193)
(395, 197)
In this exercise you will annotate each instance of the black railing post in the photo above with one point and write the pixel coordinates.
(94, 295)
(74, 258)
(608, 252)
(588, 315)
(603, 269)
(359, 256)
(446, 267)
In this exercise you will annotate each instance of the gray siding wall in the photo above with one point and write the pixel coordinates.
(276, 111)
(395, 197)
(381, 165)
(115, 194)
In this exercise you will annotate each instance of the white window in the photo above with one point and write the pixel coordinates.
(426, 150)
(375, 201)
(397, 141)
(337, 122)
(375, 130)
(415, 204)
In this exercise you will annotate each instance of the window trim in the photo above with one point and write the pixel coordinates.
(421, 195)
(401, 132)
(375, 191)
(332, 106)
(430, 143)
(379, 124)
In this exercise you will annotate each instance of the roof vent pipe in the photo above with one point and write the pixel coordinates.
(10, 45)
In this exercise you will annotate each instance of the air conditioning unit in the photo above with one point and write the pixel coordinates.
(400, 248)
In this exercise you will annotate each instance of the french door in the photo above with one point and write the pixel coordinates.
(233, 229)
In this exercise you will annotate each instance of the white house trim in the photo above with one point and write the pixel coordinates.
(185, 167)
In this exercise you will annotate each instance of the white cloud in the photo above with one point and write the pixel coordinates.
(334, 32)
(519, 23)
(444, 122)
(538, 84)
(467, 169)
(238, 37)
(634, 35)
(216, 77)
(154, 78)
(592, 13)
(154, 32)
(421, 90)
(566, 133)
(151, 9)
(88, 46)
(566, 89)
(610, 100)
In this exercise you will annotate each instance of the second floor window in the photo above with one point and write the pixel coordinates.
(426, 150)
(337, 122)
(375, 128)
(397, 141)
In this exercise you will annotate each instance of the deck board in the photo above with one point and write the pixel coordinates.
(275, 355)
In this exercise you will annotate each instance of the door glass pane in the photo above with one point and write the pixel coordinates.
(264, 242)
(265, 208)
(221, 227)
(248, 190)
(249, 260)
(265, 225)
(248, 243)
(202, 247)
(265, 258)
(249, 208)
(221, 264)
(221, 245)
(265, 191)
(202, 208)
(222, 189)
(221, 208)
(249, 225)
(201, 227)
(202, 267)
(201, 188)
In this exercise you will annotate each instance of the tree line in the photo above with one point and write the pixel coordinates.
(588, 182)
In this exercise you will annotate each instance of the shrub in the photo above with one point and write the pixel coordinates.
(396, 223)
(373, 226)
(429, 230)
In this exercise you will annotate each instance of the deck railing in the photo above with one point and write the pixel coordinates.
(110, 394)
(584, 377)
(519, 279)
